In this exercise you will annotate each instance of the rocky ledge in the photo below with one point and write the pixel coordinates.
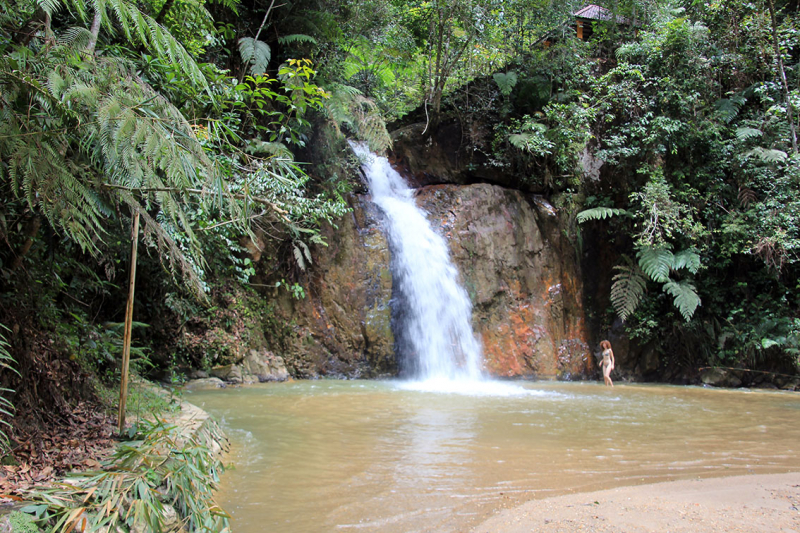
(255, 367)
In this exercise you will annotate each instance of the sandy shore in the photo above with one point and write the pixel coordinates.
(768, 503)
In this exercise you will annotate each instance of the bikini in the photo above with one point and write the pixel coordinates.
(607, 359)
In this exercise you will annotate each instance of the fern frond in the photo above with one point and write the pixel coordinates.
(297, 38)
(768, 155)
(348, 108)
(627, 290)
(255, 53)
(362, 62)
(745, 134)
(686, 298)
(257, 147)
(230, 4)
(505, 81)
(532, 139)
(160, 235)
(688, 259)
(599, 213)
(728, 108)
(49, 6)
(746, 196)
(142, 29)
(77, 37)
(355, 71)
(655, 262)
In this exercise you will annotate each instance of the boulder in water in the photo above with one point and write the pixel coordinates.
(720, 377)
(265, 366)
(229, 373)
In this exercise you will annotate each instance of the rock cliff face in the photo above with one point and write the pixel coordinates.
(342, 327)
(521, 275)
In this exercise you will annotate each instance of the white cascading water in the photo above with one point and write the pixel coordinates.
(435, 329)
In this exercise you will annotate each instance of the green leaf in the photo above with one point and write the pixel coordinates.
(655, 262)
(686, 298)
(298, 256)
(767, 343)
(599, 213)
(34, 509)
(627, 290)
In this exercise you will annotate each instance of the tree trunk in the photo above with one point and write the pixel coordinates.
(95, 31)
(164, 10)
(31, 229)
(126, 341)
(782, 73)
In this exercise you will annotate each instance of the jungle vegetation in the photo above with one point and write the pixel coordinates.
(671, 134)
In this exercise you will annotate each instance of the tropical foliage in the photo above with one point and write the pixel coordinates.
(679, 146)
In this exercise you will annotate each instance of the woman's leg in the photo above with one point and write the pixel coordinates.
(606, 374)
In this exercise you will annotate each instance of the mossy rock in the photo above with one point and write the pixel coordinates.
(17, 522)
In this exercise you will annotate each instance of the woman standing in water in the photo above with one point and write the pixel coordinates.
(608, 362)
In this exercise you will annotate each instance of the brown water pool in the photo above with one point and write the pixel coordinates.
(373, 456)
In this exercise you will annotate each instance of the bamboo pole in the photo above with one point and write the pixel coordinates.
(126, 343)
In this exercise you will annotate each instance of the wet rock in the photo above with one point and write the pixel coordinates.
(793, 384)
(444, 157)
(521, 274)
(198, 374)
(206, 383)
(720, 377)
(649, 362)
(713, 376)
(265, 366)
(766, 385)
(519, 268)
(343, 325)
(229, 373)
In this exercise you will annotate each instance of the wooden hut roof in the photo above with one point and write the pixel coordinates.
(593, 12)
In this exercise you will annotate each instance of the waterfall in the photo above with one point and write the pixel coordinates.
(431, 312)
